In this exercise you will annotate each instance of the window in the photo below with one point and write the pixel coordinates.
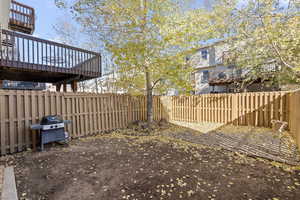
(222, 75)
(238, 72)
(205, 76)
(204, 54)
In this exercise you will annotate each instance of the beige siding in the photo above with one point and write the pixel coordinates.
(4, 13)
(214, 64)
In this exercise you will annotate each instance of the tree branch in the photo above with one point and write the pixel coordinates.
(274, 46)
(156, 82)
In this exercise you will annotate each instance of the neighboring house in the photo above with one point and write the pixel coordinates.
(213, 76)
(107, 83)
(208, 64)
(104, 84)
(21, 85)
(172, 92)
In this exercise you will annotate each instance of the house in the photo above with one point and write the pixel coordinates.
(208, 64)
(105, 84)
(212, 75)
(108, 83)
(26, 58)
(22, 85)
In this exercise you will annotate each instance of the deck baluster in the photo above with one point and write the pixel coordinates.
(45, 59)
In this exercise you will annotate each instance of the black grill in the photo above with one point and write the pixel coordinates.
(51, 119)
(52, 129)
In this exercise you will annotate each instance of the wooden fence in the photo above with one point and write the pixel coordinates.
(95, 113)
(251, 109)
(90, 114)
(255, 109)
(294, 120)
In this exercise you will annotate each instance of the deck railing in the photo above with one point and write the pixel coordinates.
(22, 18)
(31, 53)
(223, 76)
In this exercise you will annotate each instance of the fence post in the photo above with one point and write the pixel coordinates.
(294, 116)
(2, 125)
(234, 109)
(297, 118)
(167, 107)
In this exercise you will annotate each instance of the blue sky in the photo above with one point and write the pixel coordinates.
(47, 15)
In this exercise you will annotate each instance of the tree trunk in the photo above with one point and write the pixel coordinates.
(149, 99)
(147, 73)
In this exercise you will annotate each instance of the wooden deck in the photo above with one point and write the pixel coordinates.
(27, 58)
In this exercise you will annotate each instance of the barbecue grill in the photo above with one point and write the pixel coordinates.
(52, 129)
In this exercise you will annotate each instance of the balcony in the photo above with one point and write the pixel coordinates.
(27, 58)
(22, 18)
(224, 77)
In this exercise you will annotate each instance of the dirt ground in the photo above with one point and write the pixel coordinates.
(118, 166)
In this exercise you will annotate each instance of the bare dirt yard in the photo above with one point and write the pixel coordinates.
(126, 165)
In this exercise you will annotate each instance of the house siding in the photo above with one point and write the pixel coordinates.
(213, 64)
(4, 13)
(204, 87)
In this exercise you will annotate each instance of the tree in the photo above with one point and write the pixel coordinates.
(264, 33)
(259, 34)
(68, 32)
(138, 33)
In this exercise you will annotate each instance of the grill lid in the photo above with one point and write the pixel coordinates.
(51, 119)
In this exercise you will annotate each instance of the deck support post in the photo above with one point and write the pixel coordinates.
(1, 84)
(65, 87)
(74, 86)
(58, 86)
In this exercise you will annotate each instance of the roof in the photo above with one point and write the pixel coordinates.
(211, 44)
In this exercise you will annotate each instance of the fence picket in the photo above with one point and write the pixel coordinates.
(19, 118)
(2, 125)
(11, 131)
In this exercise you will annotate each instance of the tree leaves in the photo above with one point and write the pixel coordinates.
(265, 32)
(140, 40)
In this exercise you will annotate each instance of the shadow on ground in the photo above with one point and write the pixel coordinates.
(253, 141)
